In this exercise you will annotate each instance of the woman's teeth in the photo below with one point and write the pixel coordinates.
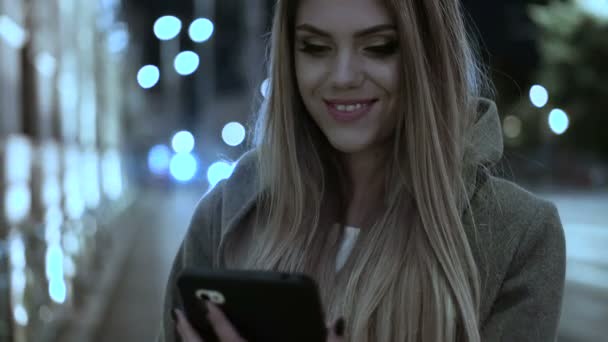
(349, 108)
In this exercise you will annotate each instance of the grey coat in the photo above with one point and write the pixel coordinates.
(520, 251)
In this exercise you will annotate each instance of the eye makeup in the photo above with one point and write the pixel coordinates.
(379, 50)
(384, 50)
(313, 49)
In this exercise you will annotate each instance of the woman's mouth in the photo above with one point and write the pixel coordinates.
(349, 110)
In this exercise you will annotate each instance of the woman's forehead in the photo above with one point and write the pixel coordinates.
(342, 16)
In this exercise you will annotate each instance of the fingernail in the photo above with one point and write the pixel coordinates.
(339, 329)
(174, 315)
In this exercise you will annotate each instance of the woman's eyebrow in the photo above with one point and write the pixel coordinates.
(361, 33)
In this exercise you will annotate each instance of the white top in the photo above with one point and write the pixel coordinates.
(350, 236)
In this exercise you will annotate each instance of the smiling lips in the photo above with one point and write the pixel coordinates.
(349, 110)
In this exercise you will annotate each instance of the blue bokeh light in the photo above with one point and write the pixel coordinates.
(201, 30)
(218, 171)
(58, 290)
(183, 142)
(233, 134)
(186, 63)
(55, 273)
(539, 96)
(11, 32)
(558, 121)
(183, 167)
(118, 40)
(159, 159)
(148, 76)
(167, 27)
(265, 88)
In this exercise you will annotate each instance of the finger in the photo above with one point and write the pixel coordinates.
(335, 332)
(185, 330)
(332, 337)
(224, 330)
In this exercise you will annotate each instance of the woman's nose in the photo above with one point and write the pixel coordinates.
(346, 72)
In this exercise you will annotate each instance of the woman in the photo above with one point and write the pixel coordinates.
(370, 172)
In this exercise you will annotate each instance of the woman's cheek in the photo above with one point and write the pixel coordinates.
(387, 76)
(311, 71)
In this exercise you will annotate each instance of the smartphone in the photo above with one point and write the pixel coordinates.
(263, 306)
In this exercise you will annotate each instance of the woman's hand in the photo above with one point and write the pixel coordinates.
(335, 332)
(226, 332)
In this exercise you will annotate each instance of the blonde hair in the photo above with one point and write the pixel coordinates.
(412, 276)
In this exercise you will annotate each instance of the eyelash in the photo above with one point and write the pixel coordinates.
(383, 50)
(313, 49)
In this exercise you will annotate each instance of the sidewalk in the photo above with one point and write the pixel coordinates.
(585, 307)
(127, 303)
(160, 219)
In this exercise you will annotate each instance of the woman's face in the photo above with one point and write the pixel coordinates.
(347, 69)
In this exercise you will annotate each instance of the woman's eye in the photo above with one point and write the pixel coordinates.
(384, 49)
(314, 49)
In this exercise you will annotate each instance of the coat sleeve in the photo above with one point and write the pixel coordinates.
(528, 305)
(196, 250)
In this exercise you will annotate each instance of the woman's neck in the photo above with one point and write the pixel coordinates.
(365, 174)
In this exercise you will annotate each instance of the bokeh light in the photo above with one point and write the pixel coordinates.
(69, 266)
(58, 290)
(18, 280)
(118, 39)
(201, 30)
(512, 126)
(265, 87)
(54, 261)
(20, 315)
(18, 202)
(148, 76)
(11, 32)
(91, 189)
(539, 96)
(52, 232)
(45, 63)
(17, 252)
(233, 134)
(111, 170)
(218, 171)
(183, 142)
(167, 27)
(159, 159)
(183, 167)
(596, 8)
(558, 121)
(186, 63)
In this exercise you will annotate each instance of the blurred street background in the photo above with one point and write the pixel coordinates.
(116, 116)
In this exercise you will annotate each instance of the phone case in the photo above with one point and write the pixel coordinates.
(263, 306)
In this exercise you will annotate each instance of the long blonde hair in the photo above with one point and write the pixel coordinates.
(412, 276)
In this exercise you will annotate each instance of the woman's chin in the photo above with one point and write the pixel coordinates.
(348, 146)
